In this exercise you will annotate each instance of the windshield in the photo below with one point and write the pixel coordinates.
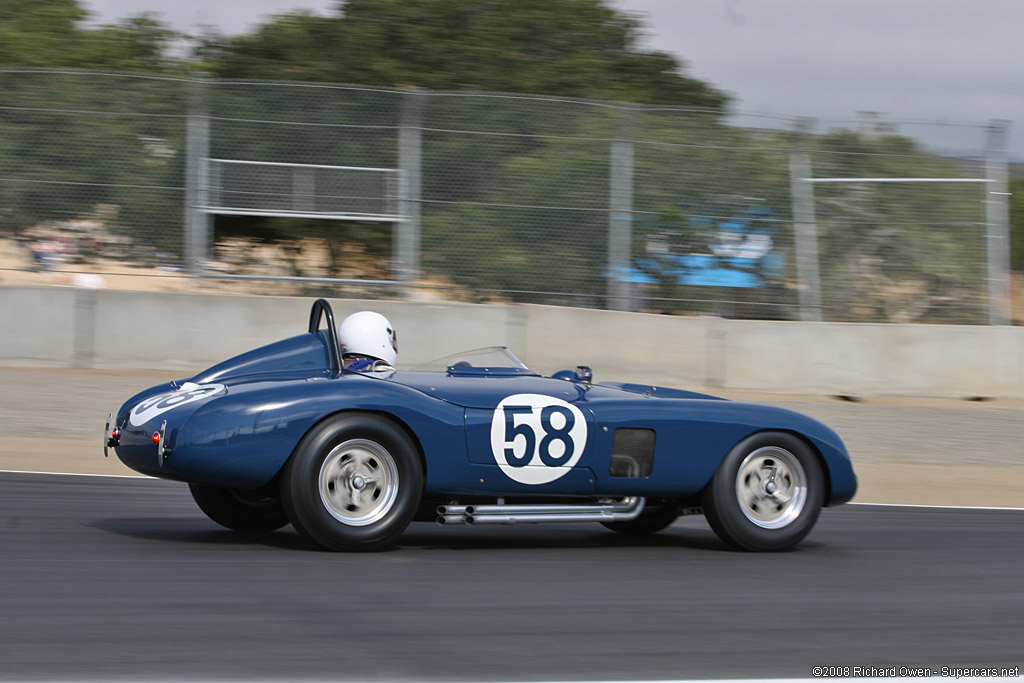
(490, 357)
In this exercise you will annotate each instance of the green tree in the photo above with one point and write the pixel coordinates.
(78, 145)
(137, 43)
(897, 252)
(541, 224)
(49, 33)
(40, 33)
(1017, 224)
(570, 48)
(76, 141)
(564, 48)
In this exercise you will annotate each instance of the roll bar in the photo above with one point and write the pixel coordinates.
(321, 307)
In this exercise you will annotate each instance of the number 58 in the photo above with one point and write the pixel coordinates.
(556, 443)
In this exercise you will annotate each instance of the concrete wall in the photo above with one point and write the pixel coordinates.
(184, 333)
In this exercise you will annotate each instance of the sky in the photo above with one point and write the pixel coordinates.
(936, 61)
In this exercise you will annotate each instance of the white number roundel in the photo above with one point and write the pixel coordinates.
(536, 439)
(161, 403)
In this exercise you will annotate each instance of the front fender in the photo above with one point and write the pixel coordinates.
(838, 469)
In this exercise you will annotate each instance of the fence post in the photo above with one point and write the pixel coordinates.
(407, 240)
(197, 151)
(620, 213)
(997, 220)
(805, 231)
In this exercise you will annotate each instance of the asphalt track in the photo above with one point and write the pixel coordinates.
(105, 578)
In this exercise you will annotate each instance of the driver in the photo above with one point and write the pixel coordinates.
(368, 343)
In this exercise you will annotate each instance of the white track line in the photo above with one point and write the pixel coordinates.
(937, 507)
(881, 505)
(82, 474)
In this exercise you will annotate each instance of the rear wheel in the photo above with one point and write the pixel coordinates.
(239, 509)
(354, 483)
(766, 494)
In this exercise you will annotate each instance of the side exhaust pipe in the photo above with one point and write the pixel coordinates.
(624, 511)
(451, 519)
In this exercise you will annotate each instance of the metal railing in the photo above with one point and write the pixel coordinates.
(489, 196)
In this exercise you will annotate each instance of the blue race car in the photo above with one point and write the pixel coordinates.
(284, 434)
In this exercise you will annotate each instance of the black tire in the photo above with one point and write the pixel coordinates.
(651, 521)
(238, 509)
(747, 511)
(353, 483)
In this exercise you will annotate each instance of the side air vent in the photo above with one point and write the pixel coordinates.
(632, 453)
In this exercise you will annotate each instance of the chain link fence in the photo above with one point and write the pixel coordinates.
(355, 191)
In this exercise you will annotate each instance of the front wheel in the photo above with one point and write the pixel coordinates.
(354, 483)
(766, 494)
(238, 509)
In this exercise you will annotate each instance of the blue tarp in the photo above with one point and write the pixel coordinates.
(742, 256)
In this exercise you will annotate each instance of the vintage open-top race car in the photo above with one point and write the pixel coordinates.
(284, 434)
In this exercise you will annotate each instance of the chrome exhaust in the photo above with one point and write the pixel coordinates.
(628, 509)
(451, 519)
(449, 510)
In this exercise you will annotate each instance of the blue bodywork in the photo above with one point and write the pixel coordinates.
(236, 425)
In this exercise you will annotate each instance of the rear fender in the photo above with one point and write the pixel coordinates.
(400, 424)
(243, 439)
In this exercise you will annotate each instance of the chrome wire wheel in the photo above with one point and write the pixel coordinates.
(358, 482)
(771, 487)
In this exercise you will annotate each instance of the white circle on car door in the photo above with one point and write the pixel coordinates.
(537, 439)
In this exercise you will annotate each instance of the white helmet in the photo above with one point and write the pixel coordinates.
(368, 334)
